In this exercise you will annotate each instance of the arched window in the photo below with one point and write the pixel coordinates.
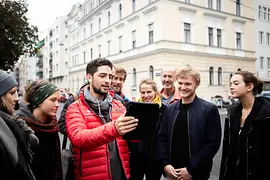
(120, 11)
(91, 29)
(219, 76)
(211, 76)
(151, 72)
(99, 24)
(133, 5)
(109, 18)
(134, 77)
(73, 85)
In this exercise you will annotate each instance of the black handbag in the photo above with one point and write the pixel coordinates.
(67, 161)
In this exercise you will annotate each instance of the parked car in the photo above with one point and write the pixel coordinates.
(220, 102)
(63, 97)
(265, 94)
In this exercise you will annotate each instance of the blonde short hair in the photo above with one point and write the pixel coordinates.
(188, 71)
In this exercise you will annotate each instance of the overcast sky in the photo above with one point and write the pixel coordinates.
(42, 13)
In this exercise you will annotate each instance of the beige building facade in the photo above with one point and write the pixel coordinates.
(216, 37)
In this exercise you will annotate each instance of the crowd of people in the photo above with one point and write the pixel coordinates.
(186, 137)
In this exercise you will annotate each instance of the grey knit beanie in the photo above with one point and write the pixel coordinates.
(7, 82)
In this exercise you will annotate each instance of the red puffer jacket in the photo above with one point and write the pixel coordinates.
(90, 138)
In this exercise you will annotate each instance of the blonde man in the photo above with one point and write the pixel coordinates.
(190, 133)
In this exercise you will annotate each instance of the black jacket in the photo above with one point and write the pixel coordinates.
(204, 136)
(257, 144)
(15, 153)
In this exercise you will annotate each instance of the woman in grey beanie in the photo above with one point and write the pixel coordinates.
(16, 138)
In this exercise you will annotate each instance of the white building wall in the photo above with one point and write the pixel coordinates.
(169, 50)
(262, 24)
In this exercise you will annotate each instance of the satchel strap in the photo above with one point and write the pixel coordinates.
(64, 144)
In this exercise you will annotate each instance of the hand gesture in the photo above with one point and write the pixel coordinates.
(183, 174)
(125, 124)
(170, 171)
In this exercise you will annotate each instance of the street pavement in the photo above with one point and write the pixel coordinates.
(217, 158)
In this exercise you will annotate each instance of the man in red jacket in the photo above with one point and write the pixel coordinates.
(95, 124)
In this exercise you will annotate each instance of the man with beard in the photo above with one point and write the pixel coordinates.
(118, 81)
(95, 124)
(190, 133)
(169, 93)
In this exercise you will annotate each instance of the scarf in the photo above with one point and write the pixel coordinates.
(100, 107)
(18, 138)
(156, 100)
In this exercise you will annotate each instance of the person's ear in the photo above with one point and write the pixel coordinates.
(250, 87)
(89, 77)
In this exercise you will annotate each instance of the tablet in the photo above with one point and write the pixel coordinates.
(148, 115)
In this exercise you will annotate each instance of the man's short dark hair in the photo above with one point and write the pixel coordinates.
(92, 66)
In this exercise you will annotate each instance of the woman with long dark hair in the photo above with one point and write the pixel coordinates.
(40, 115)
(246, 144)
(16, 138)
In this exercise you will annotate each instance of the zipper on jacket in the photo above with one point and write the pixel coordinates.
(225, 163)
(248, 152)
(108, 162)
(171, 136)
(189, 146)
(80, 164)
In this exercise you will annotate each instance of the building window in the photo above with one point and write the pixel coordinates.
(219, 37)
(99, 51)
(91, 6)
(120, 11)
(99, 24)
(109, 18)
(268, 62)
(211, 76)
(151, 72)
(219, 76)
(210, 36)
(134, 85)
(268, 38)
(238, 7)
(133, 39)
(84, 33)
(210, 4)
(109, 48)
(91, 29)
(239, 69)
(187, 32)
(151, 33)
(238, 40)
(187, 1)
(261, 37)
(120, 43)
(264, 13)
(260, 10)
(218, 5)
(261, 62)
(133, 5)
(84, 57)
(91, 54)
(134, 77)
(269, 14)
